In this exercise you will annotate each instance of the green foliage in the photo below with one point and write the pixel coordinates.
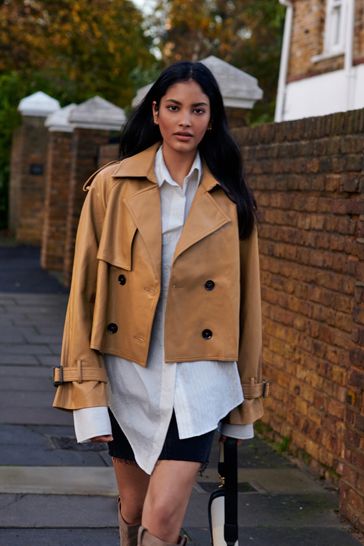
(245, 33)
(11, 91)
(71, 50)
(283, 445)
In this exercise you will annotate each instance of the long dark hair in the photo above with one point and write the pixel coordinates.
(217, 148)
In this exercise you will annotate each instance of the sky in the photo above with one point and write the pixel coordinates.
(145, 5)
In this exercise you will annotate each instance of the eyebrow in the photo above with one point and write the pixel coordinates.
(194, 104)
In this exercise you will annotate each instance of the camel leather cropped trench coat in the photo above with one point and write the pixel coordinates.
(213, 307)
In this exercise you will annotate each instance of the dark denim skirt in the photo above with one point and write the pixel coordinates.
(195, 449)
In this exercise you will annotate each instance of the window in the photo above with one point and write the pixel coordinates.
(334, 27)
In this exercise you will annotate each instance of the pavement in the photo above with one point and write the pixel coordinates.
(54, 492)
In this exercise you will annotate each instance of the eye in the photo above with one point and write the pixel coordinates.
(172, 107)
(199, 111)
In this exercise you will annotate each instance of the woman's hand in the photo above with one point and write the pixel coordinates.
(223, 438)
(101, 439)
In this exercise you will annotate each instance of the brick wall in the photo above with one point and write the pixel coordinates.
(56, 198)
(27, 183)
(308, 36)
(309, 183)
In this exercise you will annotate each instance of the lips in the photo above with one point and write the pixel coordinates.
(183, 134)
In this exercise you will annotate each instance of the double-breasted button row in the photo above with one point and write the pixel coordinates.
(112, 328)
(122, 279)
(209, 285)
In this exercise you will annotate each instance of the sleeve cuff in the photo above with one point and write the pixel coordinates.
(91, 422)
(240, 432)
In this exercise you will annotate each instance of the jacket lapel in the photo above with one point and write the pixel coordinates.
(204, 218)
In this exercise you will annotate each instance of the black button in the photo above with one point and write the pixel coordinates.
(207, 334)
(209, 285)
(112, 328)
(122, 279)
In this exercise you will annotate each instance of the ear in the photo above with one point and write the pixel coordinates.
(155, 112)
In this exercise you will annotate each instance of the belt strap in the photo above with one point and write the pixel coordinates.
(256, 390)
(231, 491)
(62, 374)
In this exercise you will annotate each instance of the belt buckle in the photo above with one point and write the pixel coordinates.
(59, 381)
(266, 388)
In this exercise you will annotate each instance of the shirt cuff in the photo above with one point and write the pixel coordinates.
(240, 432)
(91, 422)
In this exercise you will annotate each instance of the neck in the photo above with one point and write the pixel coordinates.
(178, 164)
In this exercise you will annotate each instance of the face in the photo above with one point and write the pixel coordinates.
(183, 116)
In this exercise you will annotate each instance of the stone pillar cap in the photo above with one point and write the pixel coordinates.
(59, 120)
(238, 89)
(97, 113)
(38, 104)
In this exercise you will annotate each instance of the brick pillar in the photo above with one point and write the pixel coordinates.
(237, 117)
(96, 122)
(107, 153)
(352, 482)
(57, 189)
(28, 169)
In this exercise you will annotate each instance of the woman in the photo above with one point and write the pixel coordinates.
(163, 324)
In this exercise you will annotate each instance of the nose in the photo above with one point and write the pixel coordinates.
(185, 119)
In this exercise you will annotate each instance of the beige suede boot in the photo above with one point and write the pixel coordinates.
(128, 533)
(146, 539)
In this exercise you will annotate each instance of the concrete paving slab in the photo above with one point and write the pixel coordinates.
(281, 536)
(59, 537)
(35, 310)
(57, 511)
(23, 372)
(58, 480)
(311, 510)
(27, 399)
(100, 481)
(37, 322)
(22, 360)
(267, 480)
(253, 454)
(49, 360)
(19, 435)
(24, 349)
(34, 416)
(42, 338)
(9, 335)
(16, 384)
(56, 348)
(48, 446)
(37, 456)
(20, 271)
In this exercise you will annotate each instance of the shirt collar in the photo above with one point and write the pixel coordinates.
(163, 175)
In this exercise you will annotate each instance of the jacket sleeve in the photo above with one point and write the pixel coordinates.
(250, 339)
(81, 377)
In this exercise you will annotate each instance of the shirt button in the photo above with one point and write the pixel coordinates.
(207, 334)
(112, 328)
(122, 279)
(209, 285)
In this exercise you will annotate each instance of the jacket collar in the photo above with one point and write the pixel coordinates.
(141, 165)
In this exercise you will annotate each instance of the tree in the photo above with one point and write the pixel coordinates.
(71, 50)
(83, 47)
(246, 33)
